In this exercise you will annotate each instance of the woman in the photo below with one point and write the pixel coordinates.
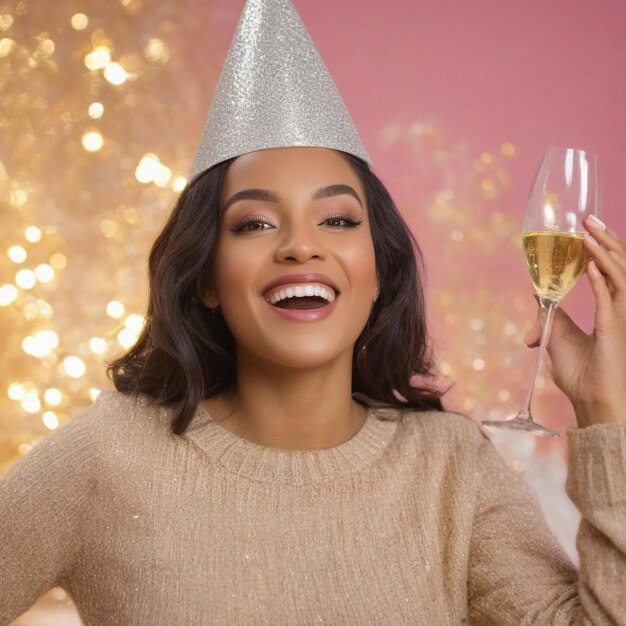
(254, 467)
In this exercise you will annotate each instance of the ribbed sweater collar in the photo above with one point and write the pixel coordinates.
(296, 467)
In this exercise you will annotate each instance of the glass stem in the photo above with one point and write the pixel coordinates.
(547, 307)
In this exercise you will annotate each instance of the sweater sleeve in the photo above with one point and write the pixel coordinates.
(518, 573)
(43, 499)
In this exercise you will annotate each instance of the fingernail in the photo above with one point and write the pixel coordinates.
(590, 239)
(593, 268)
(597, 221)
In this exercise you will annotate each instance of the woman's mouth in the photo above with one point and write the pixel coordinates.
(302, 303)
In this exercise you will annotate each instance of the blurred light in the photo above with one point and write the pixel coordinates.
(41, 343)
(79, 21)
(18, 197)
(8, 294)
(478, 364)
(17, 254)
(178, 184)
(156, 50)
(30, 402)
(96, 109)
(457, 235)
(115, 309)
(108, 227)
(131, 216)
(50, 420)
(46, 47)
(30, 311)
(44, 273)
(486, 158)
(98, 59)
(97, 345)
(487, 184)
(53, 396)
(126, 338)
(147, 168)
(33, 234)
(477, 324)
(549, 214)
(163, 176)
(92, 141)
(504, 395)
(445, 368)
(23, 448)
(134, 322)
(94, 393)
(468, 404)
(6, 21)
(6, 46)
(510, 328)
(58, 261)
(74, 366)
(508, 149)
(45, 310)
(25, 279)
(16, 391)
(115, 74)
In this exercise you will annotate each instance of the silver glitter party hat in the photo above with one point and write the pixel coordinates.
(274, 91)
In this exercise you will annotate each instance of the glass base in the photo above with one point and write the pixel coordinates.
(523, 424)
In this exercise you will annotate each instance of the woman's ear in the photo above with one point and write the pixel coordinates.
(206, 296)
(209, 300)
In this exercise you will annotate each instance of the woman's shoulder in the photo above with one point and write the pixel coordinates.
(129, 415)
(434, 430)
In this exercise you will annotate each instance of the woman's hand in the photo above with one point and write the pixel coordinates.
(591, 369)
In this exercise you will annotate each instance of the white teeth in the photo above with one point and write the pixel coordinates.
(301, 291)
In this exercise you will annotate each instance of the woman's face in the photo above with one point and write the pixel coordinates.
(301, 223)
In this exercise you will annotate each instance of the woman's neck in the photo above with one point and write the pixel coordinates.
(290, 409)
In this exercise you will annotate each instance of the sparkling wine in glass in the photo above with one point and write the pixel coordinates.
(563, 194)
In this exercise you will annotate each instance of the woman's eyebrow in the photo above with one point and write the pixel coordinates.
(265, 195)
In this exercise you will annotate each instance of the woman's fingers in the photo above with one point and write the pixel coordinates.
(606, 236)
(608, 252)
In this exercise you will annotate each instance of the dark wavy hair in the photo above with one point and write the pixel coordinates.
(186, 352)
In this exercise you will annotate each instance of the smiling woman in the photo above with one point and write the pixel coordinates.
(275, 450)
(249, 222)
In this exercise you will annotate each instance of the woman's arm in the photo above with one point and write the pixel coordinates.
(518, 574)
(43, 498)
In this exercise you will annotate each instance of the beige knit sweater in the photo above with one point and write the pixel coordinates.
(414, 520)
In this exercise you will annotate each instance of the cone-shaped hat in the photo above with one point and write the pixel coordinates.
(274, 91)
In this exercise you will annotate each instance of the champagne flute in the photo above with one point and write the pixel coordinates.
(563, 194)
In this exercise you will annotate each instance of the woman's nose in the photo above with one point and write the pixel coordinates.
(300, 244)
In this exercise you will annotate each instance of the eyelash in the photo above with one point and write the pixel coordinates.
(259, 219)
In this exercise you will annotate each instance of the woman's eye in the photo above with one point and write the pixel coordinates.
(249, 224)
(342, 221)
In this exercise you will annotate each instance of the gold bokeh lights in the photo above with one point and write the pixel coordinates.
(17, 254)
(74, 366)
(95, 110)
(79, 21)
(115, 309)
(92, 140)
